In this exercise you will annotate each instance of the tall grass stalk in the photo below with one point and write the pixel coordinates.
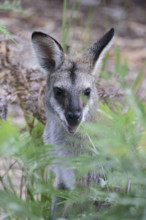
(66, 24)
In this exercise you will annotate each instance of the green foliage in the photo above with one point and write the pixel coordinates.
(4, 31)
(14, 5)
(116, 146)
(116, 142)
(66, 25)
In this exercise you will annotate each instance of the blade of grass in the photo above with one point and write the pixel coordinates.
(87, 25)
(65, 26)
(102, 71)
(5, 32)
(139, 80)
(64, 23)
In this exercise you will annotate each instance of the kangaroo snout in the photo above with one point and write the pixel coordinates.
(73, 118)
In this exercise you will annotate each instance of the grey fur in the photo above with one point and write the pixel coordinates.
(71, 96)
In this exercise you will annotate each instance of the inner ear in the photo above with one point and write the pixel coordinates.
(48, 51)
(99, 49)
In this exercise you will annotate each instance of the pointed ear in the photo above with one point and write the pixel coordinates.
(48, 51)
(99, 49)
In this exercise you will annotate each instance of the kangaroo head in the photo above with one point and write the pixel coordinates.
(71, 91)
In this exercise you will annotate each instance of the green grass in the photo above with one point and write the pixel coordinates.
(4, 31)
(14, 5)
(66, 24)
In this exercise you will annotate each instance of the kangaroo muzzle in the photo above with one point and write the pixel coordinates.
(74, 118)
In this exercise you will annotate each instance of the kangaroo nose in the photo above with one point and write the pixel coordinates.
(73, 117)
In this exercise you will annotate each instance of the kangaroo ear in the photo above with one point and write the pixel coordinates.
(99, 49)
(48, 51)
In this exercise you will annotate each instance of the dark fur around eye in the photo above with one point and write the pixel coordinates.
(87, 92)
(58, 92)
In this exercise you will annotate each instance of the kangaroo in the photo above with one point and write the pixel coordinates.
(70, 99)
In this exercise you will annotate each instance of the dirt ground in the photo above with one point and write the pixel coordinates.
(91, 20)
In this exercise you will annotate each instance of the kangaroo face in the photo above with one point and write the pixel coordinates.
(70, 94)
(71, 89)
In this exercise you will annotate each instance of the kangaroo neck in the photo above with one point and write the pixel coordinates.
(55, 133)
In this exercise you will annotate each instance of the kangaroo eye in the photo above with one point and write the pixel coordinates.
(87, 92)
(58, 92)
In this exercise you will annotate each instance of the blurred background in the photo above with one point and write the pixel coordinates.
(88, 21)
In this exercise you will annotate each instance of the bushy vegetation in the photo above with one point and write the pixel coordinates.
(14, 5)
(6, 5)
(117, 142)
